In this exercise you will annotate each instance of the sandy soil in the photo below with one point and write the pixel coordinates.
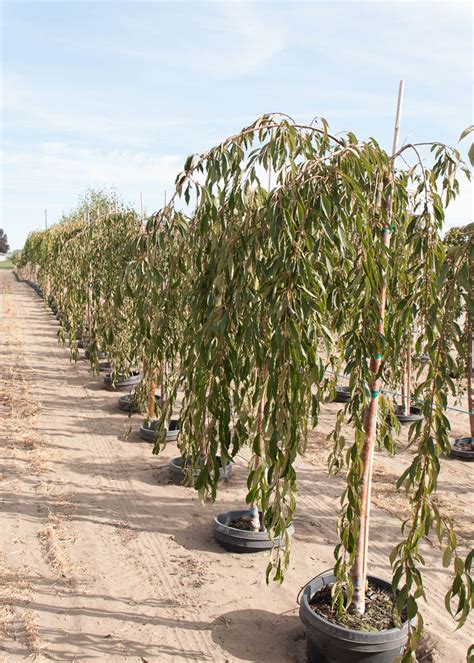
(102, 558)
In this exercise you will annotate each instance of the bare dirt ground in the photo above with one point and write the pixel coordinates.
(102, 558)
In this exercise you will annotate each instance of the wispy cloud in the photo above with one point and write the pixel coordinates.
(52, 175)
(229, 39)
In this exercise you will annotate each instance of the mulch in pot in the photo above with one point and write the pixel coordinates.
(245, 523)
(378, 616)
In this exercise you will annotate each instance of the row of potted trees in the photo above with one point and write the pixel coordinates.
(236, 312)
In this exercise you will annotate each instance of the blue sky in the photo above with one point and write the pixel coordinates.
(117, 94)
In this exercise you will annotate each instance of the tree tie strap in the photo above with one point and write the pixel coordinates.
(375, 393)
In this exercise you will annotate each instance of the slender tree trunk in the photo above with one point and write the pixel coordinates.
(151, 398)
(406, 386)
(469, 374)
(162, 381)
(89, 313)
(359, 569)
(255, 517)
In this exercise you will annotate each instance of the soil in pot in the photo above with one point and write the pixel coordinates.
(378, 614)
(245, 523)
(233, 531)
(463, 448)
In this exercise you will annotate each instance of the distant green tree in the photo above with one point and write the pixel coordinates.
(4, 246)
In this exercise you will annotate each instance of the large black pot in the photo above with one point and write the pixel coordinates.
(243, 541)
(343, 394)
(99, 354)
(148, 430)
(178, 474)
(126, 403)
(329, 643)
(122, 382)
(415, 414)
(460, 448)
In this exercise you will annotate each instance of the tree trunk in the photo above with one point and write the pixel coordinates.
(469, 374)
(359, 568)
(255, 518)
(162, 382)
(151, 399)
(89, 314)
(406, 384)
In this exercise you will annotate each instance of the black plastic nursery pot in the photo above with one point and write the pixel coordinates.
(105, 367)
(178, 474)
(99, 354)
(148, 430)
(122, 382)
(343, 394)
(463, 448)
(330, 643)
(241, 540)
(126, 403)
(415, 414)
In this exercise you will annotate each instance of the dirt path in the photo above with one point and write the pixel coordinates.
(106, 560)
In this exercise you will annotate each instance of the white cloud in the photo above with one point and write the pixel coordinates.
(55, 174)
(228, 40)
(51, 165)
(461, 211)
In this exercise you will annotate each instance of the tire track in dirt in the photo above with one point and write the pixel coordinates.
(25, 452)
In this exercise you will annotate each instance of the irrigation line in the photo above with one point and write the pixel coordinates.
(412, 398)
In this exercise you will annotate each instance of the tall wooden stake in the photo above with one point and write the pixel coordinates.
(359, 569)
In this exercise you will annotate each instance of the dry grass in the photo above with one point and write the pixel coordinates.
(52, 538)
(29, 620)
(14, 594)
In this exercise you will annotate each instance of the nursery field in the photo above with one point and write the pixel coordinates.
(104, 558)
